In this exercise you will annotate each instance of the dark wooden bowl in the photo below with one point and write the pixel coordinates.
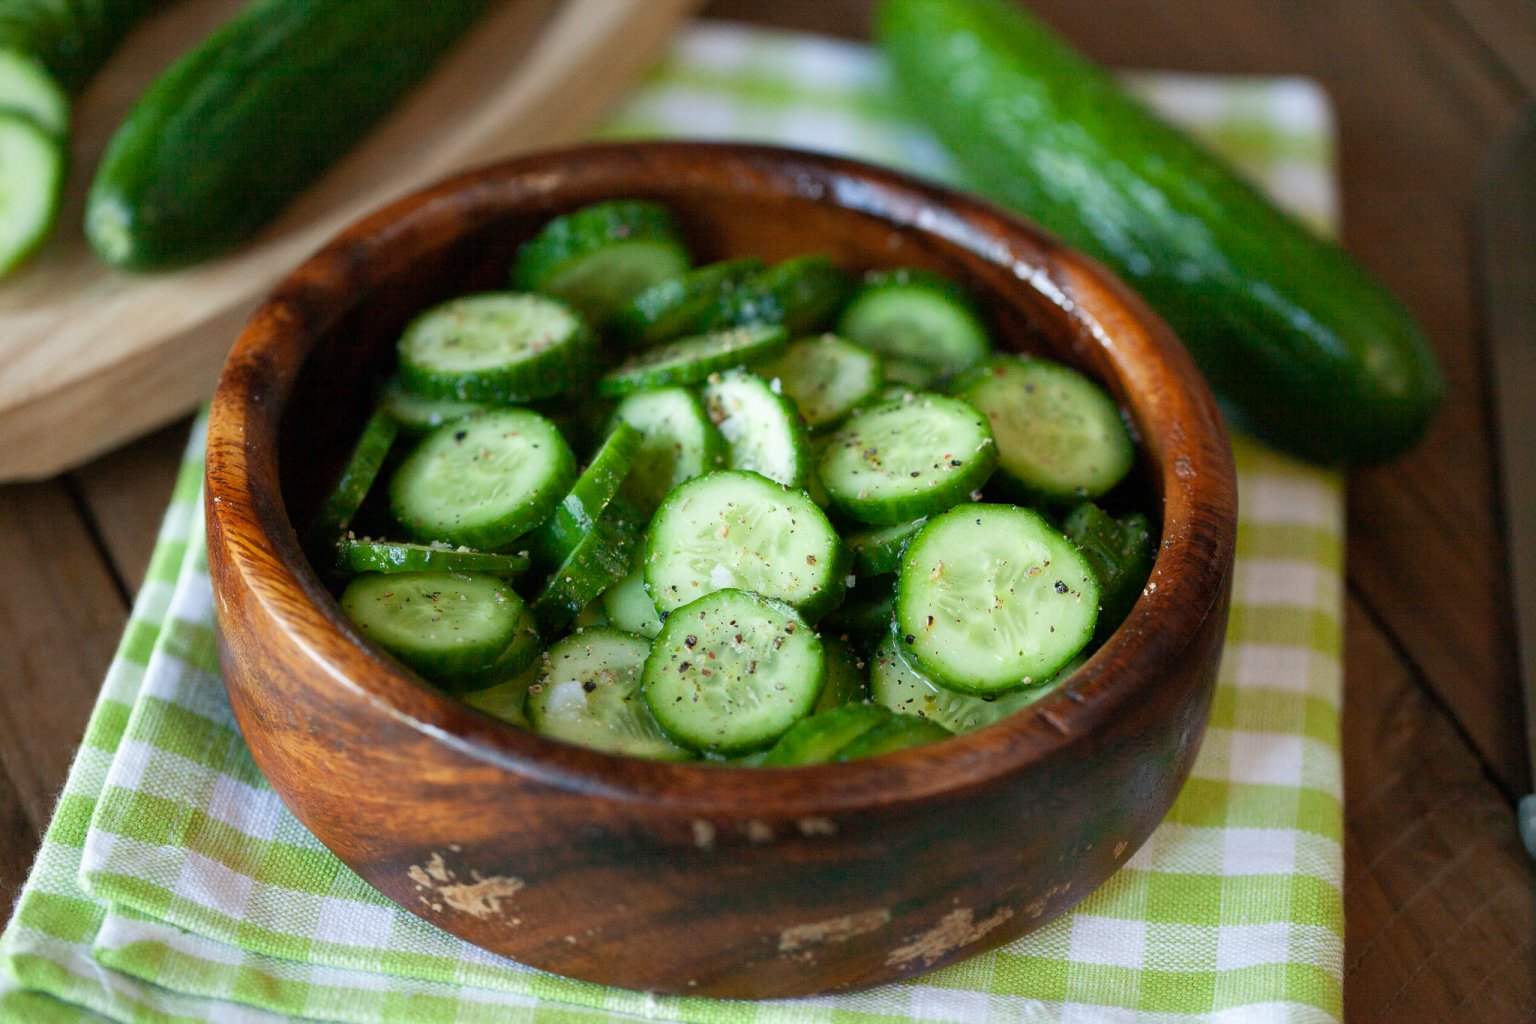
(692, 878)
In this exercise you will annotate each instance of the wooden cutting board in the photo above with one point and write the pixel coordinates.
(90, 357)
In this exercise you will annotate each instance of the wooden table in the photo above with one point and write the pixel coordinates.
(1439, 897)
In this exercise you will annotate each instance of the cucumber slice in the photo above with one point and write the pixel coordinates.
(31, 180)
(741, 530)
(896, 684)
(803, 294)
(678, 443)
(877, 550)
(505, 699)
(460, 630)
(628, 606)
(597, 562)
(919, 317)
(495, 347)
(817, 739)
(483, 482)
(1121, 552)
(416, 414)
(588, 693)
(826, 377)
(680, 305)
(26, 88)
(356, 480)
(1059, 436)
(601, 256)
(900, 460)
(845, 677)
(579, 510)
(762, 432)
(366, 555)
(992, 599)
(692, 359)
(732, 671)
(900, 732)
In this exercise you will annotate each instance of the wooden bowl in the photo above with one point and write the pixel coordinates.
(694, 878)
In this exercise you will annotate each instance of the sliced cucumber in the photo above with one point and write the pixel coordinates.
(896, 684)
(900, 460)
(588, 693)
(598, 561)
(31, 179)
(680, 305)
(483, 482)
(919, 317)
(817, 739)
(826, 377)
(992, 599)
(803, 294)
(741, 530)
(845, 676)
(590, 616)
(692, 359)
(908, 375)
(1059, 436)
(601, 256)
(877, 550)
(366, 555)
(495, 347)
(26, 88)
(579, 510)
(357, 477)
(417, 414)
(678, 443)
(761, 430)
(628, 606)
(1121, 552)
(462, 631)
(899, 732)
(732, 671)
(505, 700)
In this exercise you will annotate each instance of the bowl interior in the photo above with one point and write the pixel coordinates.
(352, 301)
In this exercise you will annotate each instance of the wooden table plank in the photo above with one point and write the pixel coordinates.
(126, 493)
(1439, 905)
(61, 615)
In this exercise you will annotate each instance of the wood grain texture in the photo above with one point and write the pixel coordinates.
(94, 357)
(683, 881)
(60, 617)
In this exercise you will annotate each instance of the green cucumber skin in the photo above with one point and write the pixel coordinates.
(217, 147)
(1310, 351)
(71, 38)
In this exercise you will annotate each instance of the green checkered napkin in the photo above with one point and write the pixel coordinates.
(173, 886)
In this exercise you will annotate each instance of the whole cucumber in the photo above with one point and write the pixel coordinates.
(234, 129)
(1302, 345)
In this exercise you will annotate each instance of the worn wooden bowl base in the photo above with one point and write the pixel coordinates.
(700, 879)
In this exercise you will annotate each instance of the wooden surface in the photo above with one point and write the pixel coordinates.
(93, 357)
(643, 904)
(1439, 895)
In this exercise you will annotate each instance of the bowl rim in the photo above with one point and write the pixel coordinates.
(1191, 461)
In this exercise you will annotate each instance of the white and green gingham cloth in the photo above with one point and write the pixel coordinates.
(172, 884)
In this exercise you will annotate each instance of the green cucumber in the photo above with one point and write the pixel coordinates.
(240, 124)
(817, 739)
(600, 257)
(597, 561)
(826, 377)
(495, 347)
(762, 431)
(463, 631)
(899, 732)
(680, 305)
(31, 181)
(802, 294)
(896, 683)
(692, 359)
(588, 693)
(677, 443)
(1121, 552)
(26, 88)
(363, 554)
(589, 496)
(922, 324)
(732, 671)
(356, 480)
(1310, 352)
